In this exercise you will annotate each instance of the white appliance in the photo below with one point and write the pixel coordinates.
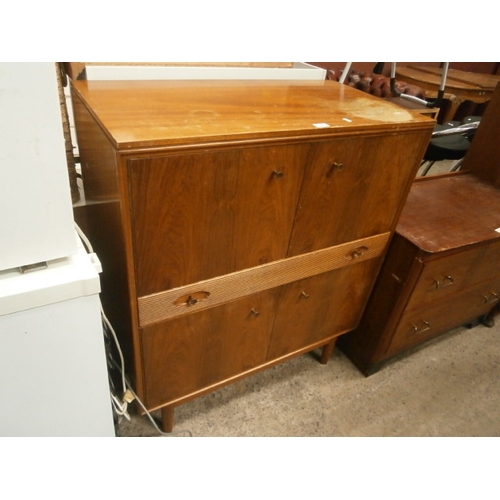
(36, 219)
(53, 374)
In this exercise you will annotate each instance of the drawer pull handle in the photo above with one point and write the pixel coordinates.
(304, 295)
(254, 313)
(447, 281)
(333, 167)
(493, 297)
(358, 252)
(191, 299)
(425, 326)
(278, 174)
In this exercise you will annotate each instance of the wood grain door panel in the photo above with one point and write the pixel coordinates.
(317, 308)
(352, 189)
(191, 353)
(197, 216)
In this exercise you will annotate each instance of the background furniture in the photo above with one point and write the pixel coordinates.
(380, 86)
(239, 223)
(443, 266)
(460, 85)
(450, 141)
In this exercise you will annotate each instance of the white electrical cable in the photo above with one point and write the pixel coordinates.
(171, 434)
(120, 353)
(148, 414)
(84, 239)
(121, 407)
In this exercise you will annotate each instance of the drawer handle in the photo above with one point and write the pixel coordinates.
(493, 297)
(334, 167)
(425, 326)
(447, 281)
(304, 295)
(278, 174)
(357, 252)
(254, 313)
(191, 299)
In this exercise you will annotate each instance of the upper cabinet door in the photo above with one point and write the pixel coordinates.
(352, 189)
(200, 215)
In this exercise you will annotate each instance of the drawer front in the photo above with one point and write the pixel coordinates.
(196, 216)
(449, 275)
(421, 324)
(352, 189)
(443, 277)
(222, 289)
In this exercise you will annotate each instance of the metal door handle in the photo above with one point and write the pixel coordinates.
(333, 167)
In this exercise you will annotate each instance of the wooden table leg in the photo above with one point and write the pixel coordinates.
(327, 351)
(167, 418)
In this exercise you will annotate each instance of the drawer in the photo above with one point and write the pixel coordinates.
(450, 274)
(424, 323)
(444, 277)
(210, 293)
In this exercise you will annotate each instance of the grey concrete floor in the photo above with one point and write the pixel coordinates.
(446, 387)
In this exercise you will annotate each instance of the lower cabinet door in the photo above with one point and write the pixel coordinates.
(191, 353)
(197, 352)
(320, 307)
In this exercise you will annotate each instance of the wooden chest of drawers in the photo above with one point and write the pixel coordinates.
(443, 265)
(239, 224)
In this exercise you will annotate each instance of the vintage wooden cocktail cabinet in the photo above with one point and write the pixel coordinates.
(239, 224)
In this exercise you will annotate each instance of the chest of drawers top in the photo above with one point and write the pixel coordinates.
(450, 212)
(156, 114)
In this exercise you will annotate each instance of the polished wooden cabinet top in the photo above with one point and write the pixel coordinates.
(172, 113)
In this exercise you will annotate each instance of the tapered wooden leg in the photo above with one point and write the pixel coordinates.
(167, 418)
(327, 351)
